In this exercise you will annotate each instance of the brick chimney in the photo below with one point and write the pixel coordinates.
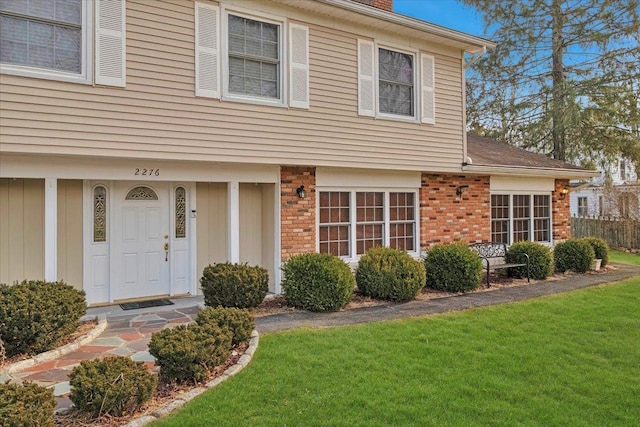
(380, 4)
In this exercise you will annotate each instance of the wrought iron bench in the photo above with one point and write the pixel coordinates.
(497, 251)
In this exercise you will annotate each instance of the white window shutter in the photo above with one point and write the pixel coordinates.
(110, 42)
(207, 50)
(427, 63)
(299, 66)
(366, 78)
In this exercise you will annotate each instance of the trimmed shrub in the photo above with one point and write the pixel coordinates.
(36, 315)
(239, 321)
(540, 260)
(26, 405)
(190, 352)
(600, 249)
(234, 285)
(574, 255)
(390, 274)
(113, 386)
(317, 282)
(453, 267)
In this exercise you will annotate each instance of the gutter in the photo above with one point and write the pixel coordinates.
(416, 24)
(529, 171)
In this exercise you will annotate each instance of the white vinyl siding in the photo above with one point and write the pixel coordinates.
(110, 42)
(159, 117)
(207, 50)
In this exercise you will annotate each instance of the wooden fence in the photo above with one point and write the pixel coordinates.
(618, 232)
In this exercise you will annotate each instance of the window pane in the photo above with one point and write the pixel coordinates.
(402, 230)
(542, 218)
(334, 234)
(99, 214)
(500, 218)
(396, 82)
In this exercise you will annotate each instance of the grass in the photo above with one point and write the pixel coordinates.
(624, 257)
(570, 360)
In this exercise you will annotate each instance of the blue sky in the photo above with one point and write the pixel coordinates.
(448, 13)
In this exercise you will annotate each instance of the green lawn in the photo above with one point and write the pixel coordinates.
(624, 257)
(564, 360)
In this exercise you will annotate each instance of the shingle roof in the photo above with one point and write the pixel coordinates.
(485, 151)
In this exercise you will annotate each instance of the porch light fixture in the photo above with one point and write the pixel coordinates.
(563, 193)
(301, 192)
(461, 189)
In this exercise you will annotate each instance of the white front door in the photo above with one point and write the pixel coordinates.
(141, 253)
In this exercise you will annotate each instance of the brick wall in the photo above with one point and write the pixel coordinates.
(380, 4)
(297, 216)
(445, 217)
(560, 211)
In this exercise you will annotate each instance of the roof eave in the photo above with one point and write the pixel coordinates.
(472, 44)
(530, 171)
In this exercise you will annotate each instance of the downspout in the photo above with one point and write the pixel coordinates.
(465, 158)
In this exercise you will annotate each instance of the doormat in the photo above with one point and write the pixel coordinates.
(145, 304)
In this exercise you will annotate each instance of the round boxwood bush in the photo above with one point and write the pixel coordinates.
(540, 260)
(234, 285)
(238, 320)
(190, 352)
(26, 405)
(573, 255)
(389, 274)
(600, 249)
(453, 267)
(36, 315)
(113, 386)
(317, 282)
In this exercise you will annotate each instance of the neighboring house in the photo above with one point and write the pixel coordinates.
(614, 193)
(141, 141)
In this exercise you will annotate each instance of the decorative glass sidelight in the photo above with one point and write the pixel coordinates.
(141, 193)
(99, 214)
(181, 219)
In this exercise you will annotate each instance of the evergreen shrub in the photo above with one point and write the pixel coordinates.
(540, 260)
(600, 249)
(26, 405)
(238, 320)
(234, 285)
(390, 274)
(114, 386)
(453, 267)
(35, 315)
(317, 282)
(190, 352)
(573, 255)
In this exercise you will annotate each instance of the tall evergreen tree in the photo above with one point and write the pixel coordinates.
(563, 79)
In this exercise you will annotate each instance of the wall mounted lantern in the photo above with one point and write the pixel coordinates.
(460, 190)
(563, 193)
(301, 192)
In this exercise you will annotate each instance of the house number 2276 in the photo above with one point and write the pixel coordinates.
(147, 172)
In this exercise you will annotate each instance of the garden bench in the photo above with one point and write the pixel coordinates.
(498, 252)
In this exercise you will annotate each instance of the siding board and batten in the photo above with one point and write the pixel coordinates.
(158, 116)
(21, 230)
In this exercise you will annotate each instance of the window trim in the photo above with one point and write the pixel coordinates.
(281, 22)
(416, 70)
(86, 50)
(532, 217)
(354, 257)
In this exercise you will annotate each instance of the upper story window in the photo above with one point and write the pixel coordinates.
(254, 58)
(45, 38)
(395, 84)
(54, 39)
(583, 207)
(241, 56)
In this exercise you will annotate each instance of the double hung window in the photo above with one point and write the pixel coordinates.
(583, 207)
(396, 83)
(520, 217)
(351, 222)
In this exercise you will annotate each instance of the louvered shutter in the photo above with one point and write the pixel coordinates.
(299, 66)
(428, 86)
(110, 43)
(366, 78)
(207, 50)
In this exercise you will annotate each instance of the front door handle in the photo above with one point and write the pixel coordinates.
(166, 251)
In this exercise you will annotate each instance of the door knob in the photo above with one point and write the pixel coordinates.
(166, 251)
